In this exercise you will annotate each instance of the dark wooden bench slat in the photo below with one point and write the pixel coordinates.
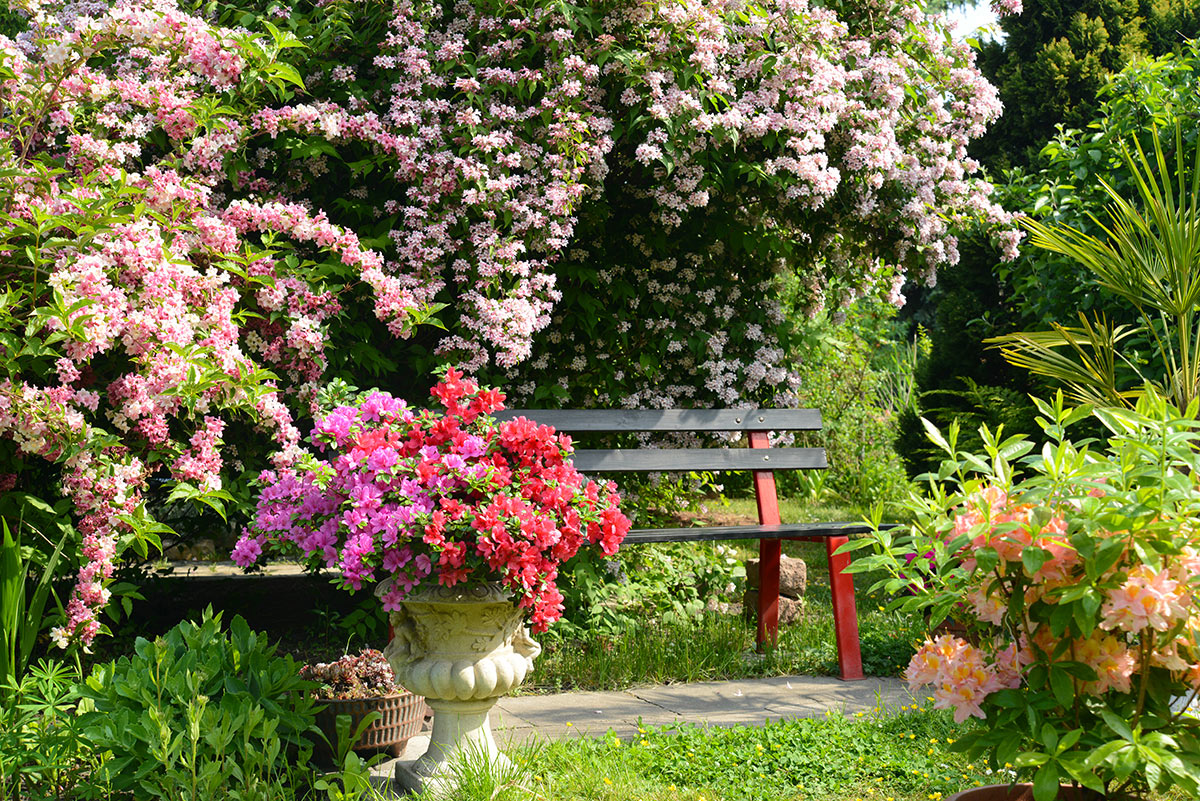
(610, 420)
(746, 532)
(669, 459)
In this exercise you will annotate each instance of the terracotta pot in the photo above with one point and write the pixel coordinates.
(403, 715)
(1014, 792)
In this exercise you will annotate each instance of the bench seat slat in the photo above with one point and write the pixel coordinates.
(747, 532)
(672, 459)
(623, 420)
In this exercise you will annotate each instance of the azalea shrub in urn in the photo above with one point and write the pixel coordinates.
(460, 521)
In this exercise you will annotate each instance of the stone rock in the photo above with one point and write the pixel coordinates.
(790, 609)
(793, 576)
(203, 550)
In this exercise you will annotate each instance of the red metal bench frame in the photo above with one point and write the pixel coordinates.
(770, 531)
(845, 610)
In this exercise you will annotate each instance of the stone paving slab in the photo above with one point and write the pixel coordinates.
(726, 703)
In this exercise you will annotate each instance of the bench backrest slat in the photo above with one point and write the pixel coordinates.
(610, 420)
(680, 459)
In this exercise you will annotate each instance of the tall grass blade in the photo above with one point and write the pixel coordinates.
(12, 600)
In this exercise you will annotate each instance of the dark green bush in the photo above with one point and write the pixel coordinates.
(860, 374)
(43, 754)
(199, 714)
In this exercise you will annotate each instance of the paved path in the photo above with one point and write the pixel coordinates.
(717, 703)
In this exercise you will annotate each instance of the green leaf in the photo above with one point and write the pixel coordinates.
(1069, 740)
(986, 558)
(1119, 726)
(935, 436)
(1033, 557)
(1045, 783)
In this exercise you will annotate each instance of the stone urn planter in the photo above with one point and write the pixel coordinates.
(462, 648)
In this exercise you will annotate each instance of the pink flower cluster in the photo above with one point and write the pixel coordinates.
(410, 494)
(832, 102)
(1005, 8)
(848, 133)
(1147, 609)
(958, 673)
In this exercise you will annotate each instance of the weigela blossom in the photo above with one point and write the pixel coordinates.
(446, 496)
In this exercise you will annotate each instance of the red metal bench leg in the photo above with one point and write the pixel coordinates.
(768, 593)
(768, 550)
(845, 613)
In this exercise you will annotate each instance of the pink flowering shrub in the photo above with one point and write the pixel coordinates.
(1077, 574)
(527, 165)
(204, 218)
(817, 146)
(446, 496)
(147, 308)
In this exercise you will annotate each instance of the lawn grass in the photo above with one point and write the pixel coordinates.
(713, 646)
(873, 756)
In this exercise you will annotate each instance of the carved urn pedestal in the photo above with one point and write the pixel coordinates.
(462, 648)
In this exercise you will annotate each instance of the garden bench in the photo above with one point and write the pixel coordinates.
(759, 458)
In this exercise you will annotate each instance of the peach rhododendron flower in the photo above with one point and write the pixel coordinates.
(1112, 661)
(1081, 604)
(1147, 598)
(989, 608)
(957, 673)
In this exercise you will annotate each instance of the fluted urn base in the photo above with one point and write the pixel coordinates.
(462, 727)
(463, 648)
